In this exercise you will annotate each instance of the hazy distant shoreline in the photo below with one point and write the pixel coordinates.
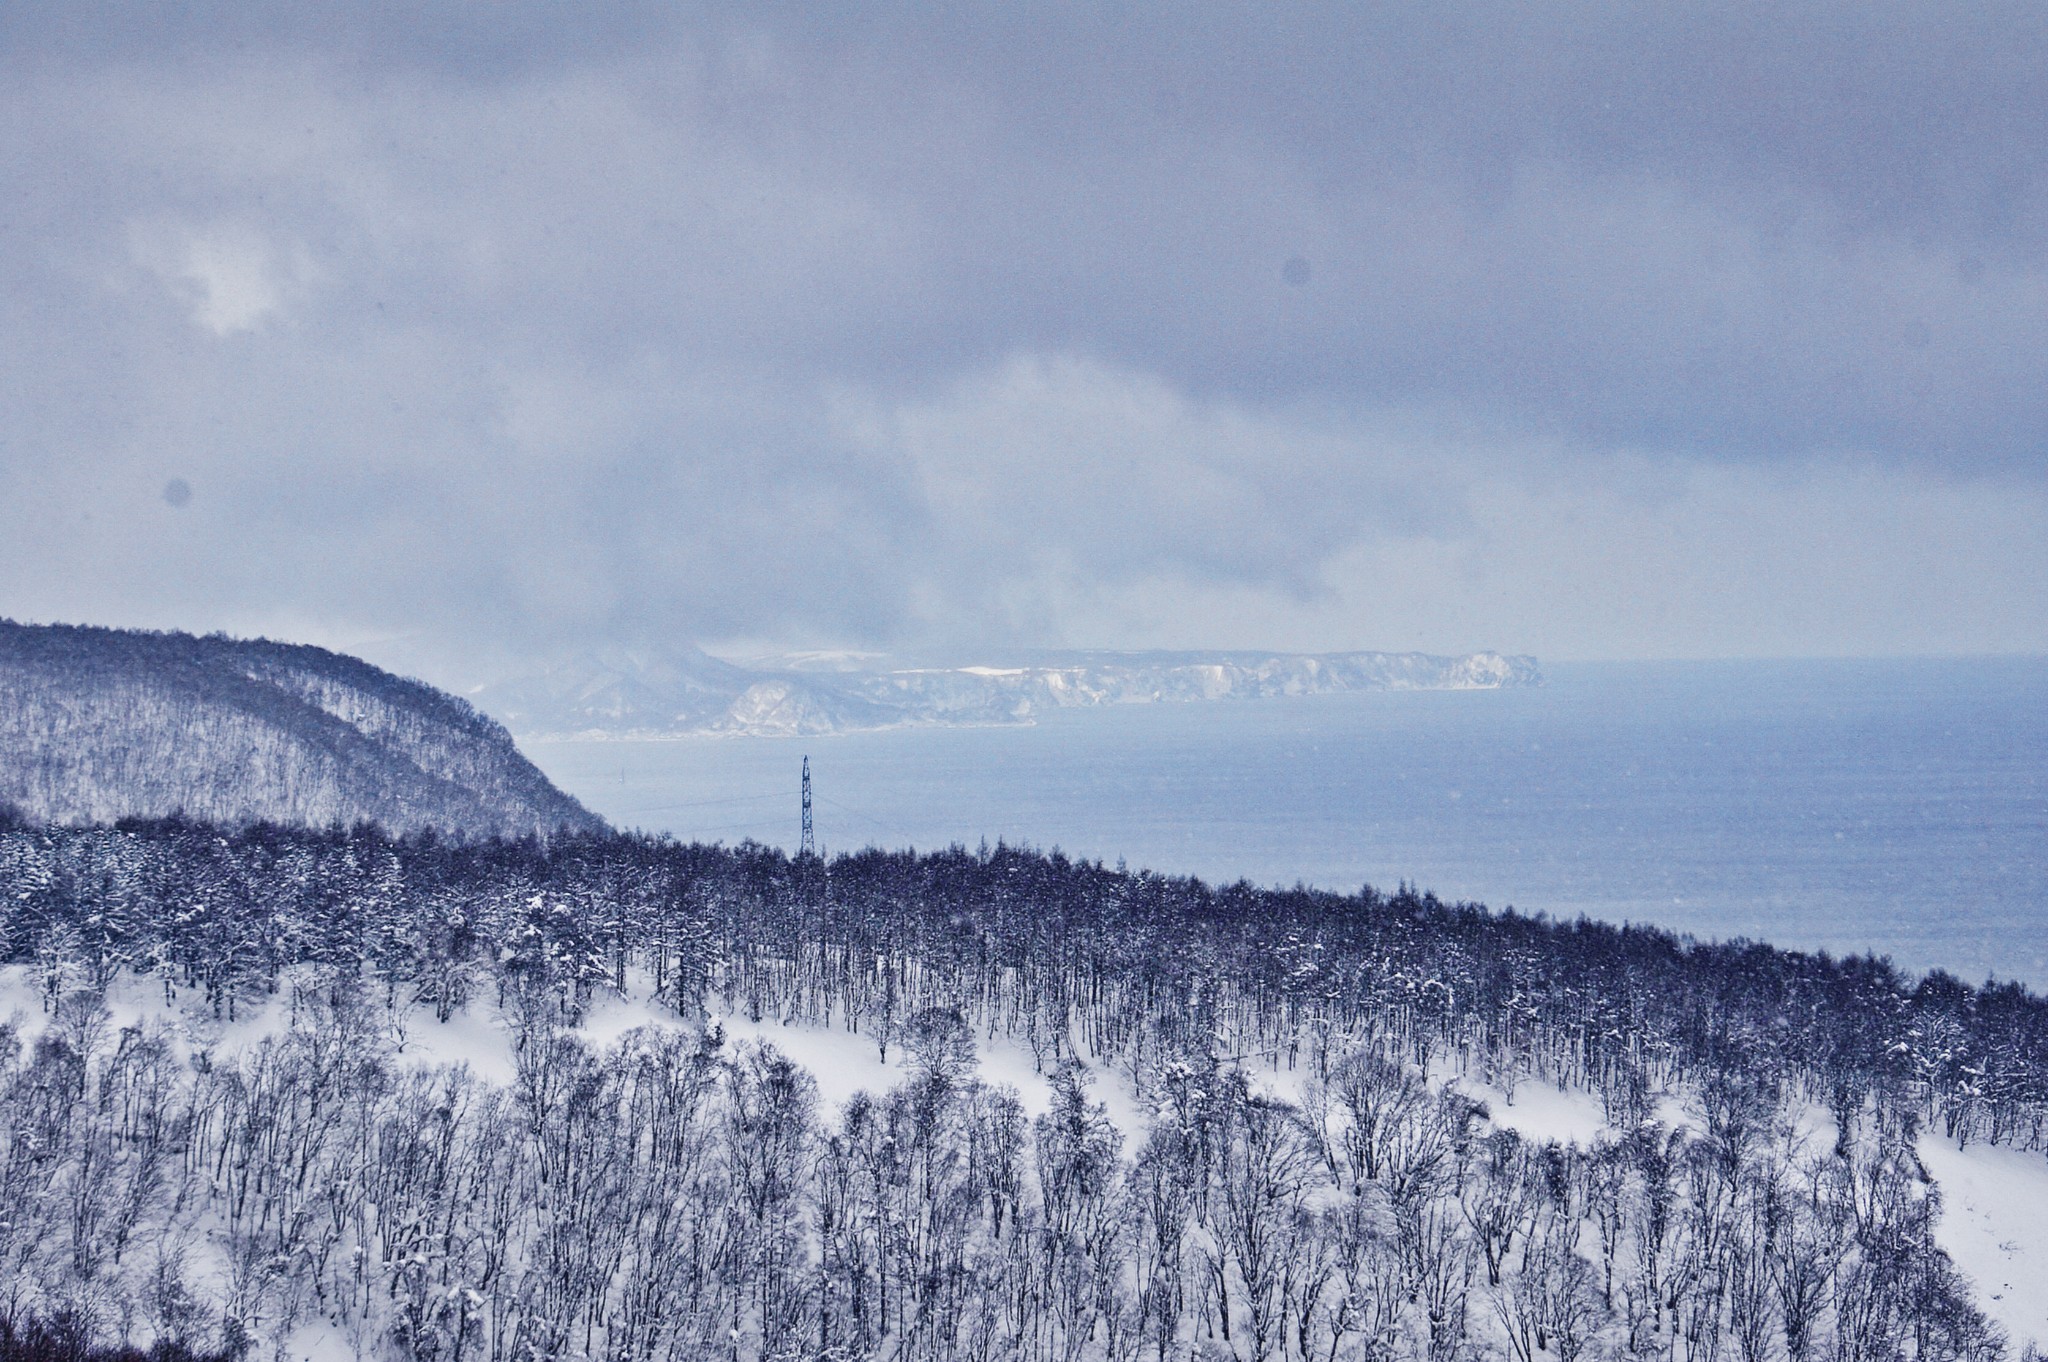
(686, 693)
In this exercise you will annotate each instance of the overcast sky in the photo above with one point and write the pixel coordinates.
(1580, 330)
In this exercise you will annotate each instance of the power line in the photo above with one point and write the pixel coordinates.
(767, 826)
(890, 829)
(711, 803)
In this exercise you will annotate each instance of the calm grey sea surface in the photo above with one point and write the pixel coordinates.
(1899, 807)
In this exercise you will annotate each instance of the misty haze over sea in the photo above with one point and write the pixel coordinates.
(1892, 806)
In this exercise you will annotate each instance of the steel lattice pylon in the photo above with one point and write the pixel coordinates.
(808, 846)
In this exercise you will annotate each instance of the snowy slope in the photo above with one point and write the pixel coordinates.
(102, 724)
(845, 1062)
(1994, 1225)
(842, 1062)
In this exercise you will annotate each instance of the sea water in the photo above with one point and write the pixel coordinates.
(1897, 807)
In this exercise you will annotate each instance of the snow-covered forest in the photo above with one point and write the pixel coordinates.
(99, 724)
(263, 1160)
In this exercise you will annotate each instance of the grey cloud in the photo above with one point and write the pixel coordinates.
(690, 322)
(1072, 466)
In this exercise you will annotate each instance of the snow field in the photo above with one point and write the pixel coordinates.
(1543, 1112)
(1994, 1225)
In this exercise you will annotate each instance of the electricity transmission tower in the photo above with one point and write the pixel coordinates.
(809, 846)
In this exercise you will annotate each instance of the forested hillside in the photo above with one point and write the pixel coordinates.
(100, 724)
(1311, 1177)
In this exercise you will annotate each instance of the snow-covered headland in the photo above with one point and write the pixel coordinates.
(624, 694)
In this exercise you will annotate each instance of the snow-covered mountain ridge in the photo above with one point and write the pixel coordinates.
(628, 695)
(102, 724)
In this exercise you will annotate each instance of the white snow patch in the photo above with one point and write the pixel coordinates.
(479, 1036)
(610, 1016)
(1543, 1111)
(21, 1003)
(1270, 1078)
(847, 1062)
(253, 1022)
(137, 1001)
(1994, 1225)
(843, 1062)
(1006, 1061)
(1677, 1112)
(476, 1036)
(318, 1342)
(1539, 1110)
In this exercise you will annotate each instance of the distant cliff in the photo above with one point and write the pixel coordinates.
(629, 695)
(100, 724)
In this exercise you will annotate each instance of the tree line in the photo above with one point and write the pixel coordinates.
(680, 1195)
